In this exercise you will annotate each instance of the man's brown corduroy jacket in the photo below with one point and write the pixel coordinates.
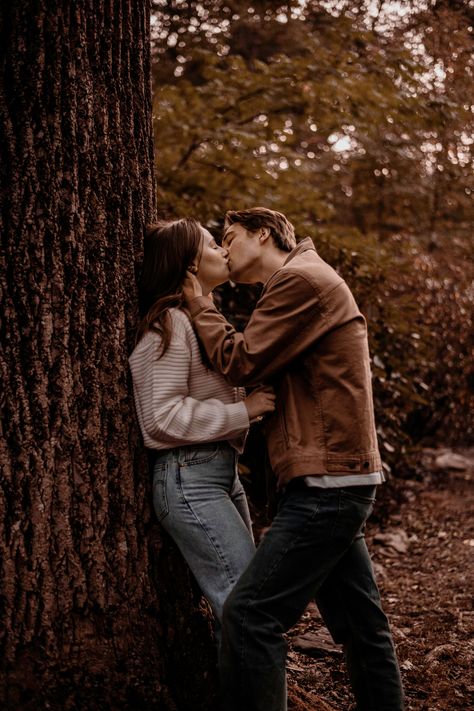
(308, 339)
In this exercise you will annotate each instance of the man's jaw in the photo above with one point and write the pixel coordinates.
(237, 278)
(234, 275)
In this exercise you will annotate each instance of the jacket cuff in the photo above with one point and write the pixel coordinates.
(200, 303)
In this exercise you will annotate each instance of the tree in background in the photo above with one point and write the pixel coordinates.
(355, 119)
(97, 608)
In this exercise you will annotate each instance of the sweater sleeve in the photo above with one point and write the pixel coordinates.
(168, 414)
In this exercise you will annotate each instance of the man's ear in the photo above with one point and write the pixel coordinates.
(264, 234)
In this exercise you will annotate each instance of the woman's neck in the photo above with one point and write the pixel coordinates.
(206, 288)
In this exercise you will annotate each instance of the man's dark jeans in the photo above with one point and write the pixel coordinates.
(315, 549)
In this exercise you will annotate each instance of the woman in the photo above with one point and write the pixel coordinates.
(190, 417)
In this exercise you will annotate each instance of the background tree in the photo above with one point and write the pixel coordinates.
(97, 609)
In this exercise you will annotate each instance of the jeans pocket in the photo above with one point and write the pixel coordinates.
(198, 454)
(362, 494)
(160, 497)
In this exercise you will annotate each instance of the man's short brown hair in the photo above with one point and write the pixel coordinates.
(281, 229)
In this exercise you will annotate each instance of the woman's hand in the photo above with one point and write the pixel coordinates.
(191, 287)
(260, 402)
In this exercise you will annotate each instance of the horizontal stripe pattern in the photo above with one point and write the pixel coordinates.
(178, 399)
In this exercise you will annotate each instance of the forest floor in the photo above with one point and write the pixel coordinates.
(421, 538)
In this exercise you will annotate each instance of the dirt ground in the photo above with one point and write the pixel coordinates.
(421, 538)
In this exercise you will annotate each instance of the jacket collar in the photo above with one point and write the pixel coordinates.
(303, 246)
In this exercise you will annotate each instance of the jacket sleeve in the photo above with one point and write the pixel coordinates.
(168, 413)
(288, 318)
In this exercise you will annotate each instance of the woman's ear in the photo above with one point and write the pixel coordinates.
(193, 269)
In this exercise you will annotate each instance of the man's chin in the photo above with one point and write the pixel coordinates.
(236, 277)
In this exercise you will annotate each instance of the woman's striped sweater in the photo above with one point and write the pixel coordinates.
(178, 399)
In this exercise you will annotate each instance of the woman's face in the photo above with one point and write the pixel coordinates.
(213, 268)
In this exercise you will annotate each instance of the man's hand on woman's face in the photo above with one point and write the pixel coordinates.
(191, 287)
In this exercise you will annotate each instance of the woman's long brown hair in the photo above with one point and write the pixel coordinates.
(170, 248)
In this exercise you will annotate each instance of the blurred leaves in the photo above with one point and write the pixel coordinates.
(364, 139)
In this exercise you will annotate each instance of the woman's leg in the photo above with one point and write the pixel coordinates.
(239, 499)
(192, 489)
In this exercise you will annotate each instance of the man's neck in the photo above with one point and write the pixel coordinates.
(274, 260)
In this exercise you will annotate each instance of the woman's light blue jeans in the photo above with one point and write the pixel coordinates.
(201, 503)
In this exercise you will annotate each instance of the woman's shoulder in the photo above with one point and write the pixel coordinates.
(181, 330)
(178, 316)
(180, 324)
(149, 341)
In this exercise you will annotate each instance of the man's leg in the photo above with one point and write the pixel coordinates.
(311, 532)
(350, 604)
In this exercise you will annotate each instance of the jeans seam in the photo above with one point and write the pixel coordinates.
(162, 484)
(216, 549)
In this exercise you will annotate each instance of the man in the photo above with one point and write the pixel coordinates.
(307, 338)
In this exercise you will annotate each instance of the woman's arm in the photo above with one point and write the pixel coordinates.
(167, 412)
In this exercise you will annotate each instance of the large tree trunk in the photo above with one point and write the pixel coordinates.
(97, 607)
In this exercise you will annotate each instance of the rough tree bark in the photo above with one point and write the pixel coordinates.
(97, 608)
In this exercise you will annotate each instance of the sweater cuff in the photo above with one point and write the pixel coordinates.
(238, 416)
(200, 303)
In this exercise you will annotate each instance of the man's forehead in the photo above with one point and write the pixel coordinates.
(234, 227)
(229, 230)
